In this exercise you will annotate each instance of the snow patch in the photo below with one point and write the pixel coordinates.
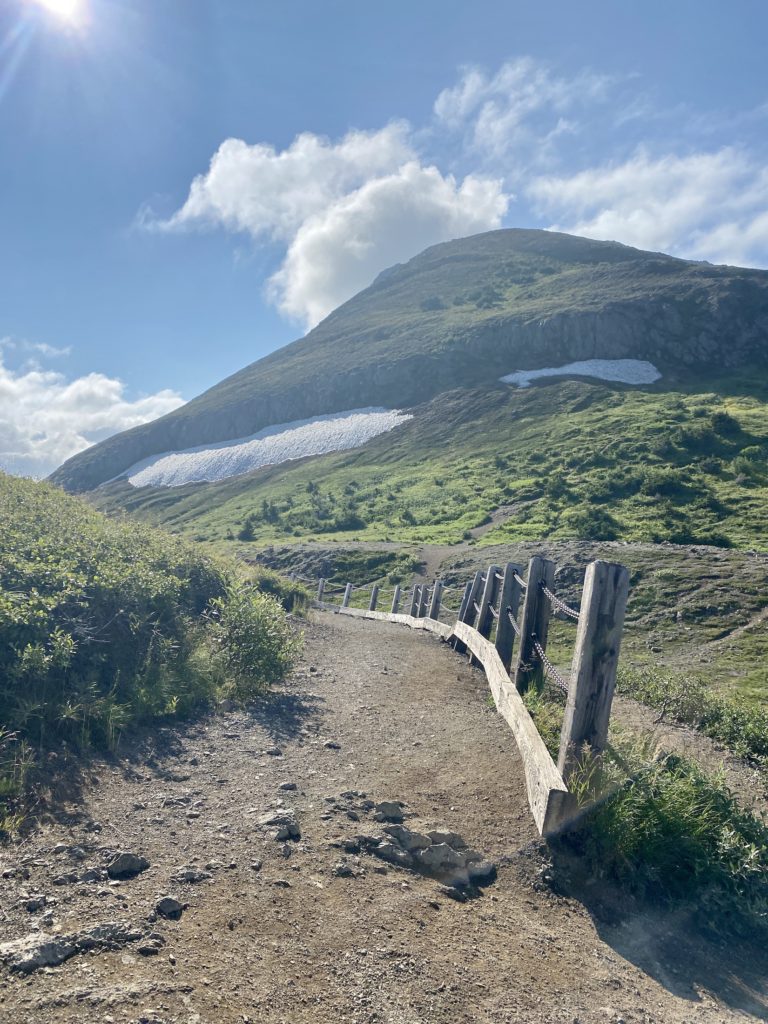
(280, 443)
(627, 371)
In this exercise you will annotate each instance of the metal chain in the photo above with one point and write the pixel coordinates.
(513, 623)
(558, 605)
(493, 611)
(549, 668)
(521, 581)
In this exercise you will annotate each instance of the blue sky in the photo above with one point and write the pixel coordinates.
(187, 184)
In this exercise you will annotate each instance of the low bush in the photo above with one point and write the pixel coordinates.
(252, 643)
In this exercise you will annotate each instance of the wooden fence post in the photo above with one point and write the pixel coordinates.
(467, 612)
(595, 661)
(464, 601)
(347, 595)
(374, 598)
(415, 601)
(490, 589)
(423, 601)
(320, 589)
(508, 603)
(396, 600)
(534, 622)
(434, 605)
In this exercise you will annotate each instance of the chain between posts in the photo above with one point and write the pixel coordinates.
(559, 605)
(513, 622)
(549, 668)
(521, 581)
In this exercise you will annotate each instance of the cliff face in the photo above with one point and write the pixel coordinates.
(463, 314)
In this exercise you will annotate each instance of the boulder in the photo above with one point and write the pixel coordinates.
(394, 854)
(169, 907)
(453, 839)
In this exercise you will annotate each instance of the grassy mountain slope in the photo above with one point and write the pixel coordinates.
(465, 312)
(687, 464)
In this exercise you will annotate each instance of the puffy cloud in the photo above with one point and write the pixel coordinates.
(344, 210)
(265, 192)
(45, 418)
(704, 205)
(339, 251)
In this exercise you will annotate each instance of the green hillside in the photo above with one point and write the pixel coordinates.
(460, 315)
(686, 464)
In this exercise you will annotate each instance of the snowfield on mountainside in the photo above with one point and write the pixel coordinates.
(279, 443)
(625, 371)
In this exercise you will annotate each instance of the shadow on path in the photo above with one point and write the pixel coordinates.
(671, 946)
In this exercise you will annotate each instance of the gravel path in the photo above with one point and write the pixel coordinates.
(308, 931)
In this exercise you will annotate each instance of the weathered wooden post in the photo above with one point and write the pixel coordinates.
(320, 589)
(467, 611)
(347, 595)
(374, 597)
(423, 601)
(595, 661)
(484, 618)
(508, 603)
(396, 600)
(415, 600)
(434, 605)
(534, 623)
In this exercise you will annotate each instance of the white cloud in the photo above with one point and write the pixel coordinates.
(705, 205)
(344, 210)
(519, 110)
(265, 192)
(45, 418)
(389, 219)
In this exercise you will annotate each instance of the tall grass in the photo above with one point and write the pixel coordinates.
(665, 829)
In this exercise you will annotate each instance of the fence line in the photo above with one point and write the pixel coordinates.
(502, 624)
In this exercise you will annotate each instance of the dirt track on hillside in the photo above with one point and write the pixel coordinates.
(290, 941)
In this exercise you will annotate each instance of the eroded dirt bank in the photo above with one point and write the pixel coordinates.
(306, 930)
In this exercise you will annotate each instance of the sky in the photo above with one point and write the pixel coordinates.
(186, 185)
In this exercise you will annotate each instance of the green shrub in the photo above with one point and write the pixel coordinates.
(252, 644)
(104, 623)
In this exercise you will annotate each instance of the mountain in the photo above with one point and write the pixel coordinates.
(461, 315)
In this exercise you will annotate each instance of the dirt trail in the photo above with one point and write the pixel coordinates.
(290, 941)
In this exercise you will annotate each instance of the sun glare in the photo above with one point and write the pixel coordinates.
(65, 10)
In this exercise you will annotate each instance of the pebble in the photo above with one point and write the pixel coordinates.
(169, 907)
(126, 865)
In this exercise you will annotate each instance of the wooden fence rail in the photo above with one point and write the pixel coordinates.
(510, 642)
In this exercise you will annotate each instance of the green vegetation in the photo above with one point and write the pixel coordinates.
(662, 827)
(571, 459)
(729, 718)
(105, 623)
(668, 831)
